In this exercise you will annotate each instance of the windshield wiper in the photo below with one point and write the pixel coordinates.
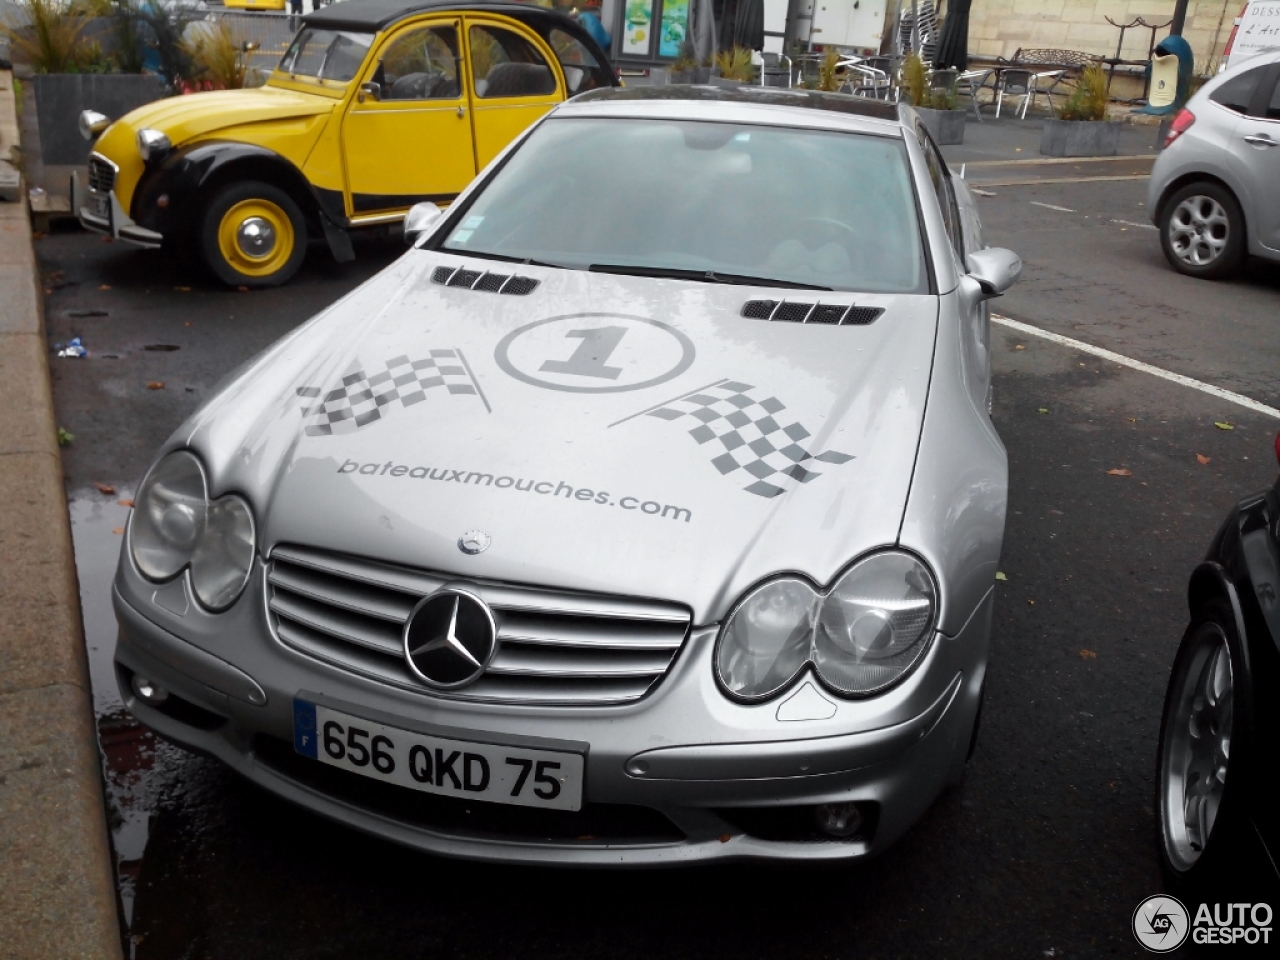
(706, 276)
(484, 254)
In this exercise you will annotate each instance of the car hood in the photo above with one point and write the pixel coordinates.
(187, 117)
(607, 433)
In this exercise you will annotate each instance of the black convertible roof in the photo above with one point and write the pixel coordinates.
(379, 14)
(773, 96)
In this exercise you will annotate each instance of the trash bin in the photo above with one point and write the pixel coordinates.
(1170, 76)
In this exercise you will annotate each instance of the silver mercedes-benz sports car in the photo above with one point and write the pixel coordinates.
(646, 511)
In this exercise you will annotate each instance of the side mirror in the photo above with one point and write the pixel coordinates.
(371, 89)
(995, 269)
(421, 220)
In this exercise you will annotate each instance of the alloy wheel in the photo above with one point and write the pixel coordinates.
(1197, 748)
(1199, 230)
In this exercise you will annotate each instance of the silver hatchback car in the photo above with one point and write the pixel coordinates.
(1215, 188)
(647, 510)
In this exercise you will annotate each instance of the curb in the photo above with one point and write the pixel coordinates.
(57, 890)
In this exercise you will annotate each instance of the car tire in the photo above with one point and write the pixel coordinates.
(252, 234)
(1202, 231)
(1202, 766)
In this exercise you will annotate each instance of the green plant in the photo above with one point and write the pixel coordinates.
(50, 38)
(217, 57)
(735, 64)
(686, 58)
(827, 77)
(1088, 101)
(942, 98)
(915, 80)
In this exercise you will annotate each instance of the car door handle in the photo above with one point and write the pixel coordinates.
(1260, 140)
(461, 113)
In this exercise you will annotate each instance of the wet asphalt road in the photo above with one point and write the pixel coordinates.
(1045, 850)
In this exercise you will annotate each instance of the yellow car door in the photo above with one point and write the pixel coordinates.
(513, 82)
(407, 133)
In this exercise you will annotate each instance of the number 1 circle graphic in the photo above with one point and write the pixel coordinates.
(589, 358)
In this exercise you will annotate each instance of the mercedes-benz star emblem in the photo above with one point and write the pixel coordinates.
(474, 541)
(450, 638)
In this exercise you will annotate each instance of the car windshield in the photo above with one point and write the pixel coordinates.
(326, 54)
(721, 202)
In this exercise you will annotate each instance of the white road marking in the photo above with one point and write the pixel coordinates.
(1129, 362)
(1036, 182)
(1040, 161)
(1050, 206)
(1141, 226)
(983, 193)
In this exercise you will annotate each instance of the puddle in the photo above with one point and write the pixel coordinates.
(128, 749)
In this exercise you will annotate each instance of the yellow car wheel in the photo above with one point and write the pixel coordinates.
(253, 235)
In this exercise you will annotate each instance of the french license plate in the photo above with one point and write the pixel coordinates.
(100, 206)
(454, 768)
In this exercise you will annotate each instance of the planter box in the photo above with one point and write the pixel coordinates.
(1080, 138)
(61, 96)
(946, 126)
(722, 82)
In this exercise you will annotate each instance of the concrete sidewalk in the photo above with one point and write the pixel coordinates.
(57, 893)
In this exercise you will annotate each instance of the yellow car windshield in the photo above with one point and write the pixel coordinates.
(326, 54)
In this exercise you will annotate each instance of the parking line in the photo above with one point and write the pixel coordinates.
(1050, 206)
(1041, 161)
(1178, 378)
(1038, 181)
(1130, 223)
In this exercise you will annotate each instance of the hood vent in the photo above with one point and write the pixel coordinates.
(485, 282)
(795, 311)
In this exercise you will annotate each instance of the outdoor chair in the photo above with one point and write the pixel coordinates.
(1029, 84)
(771, 68)
(973, 81)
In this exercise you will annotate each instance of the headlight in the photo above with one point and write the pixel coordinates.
(93, 123)
(175, 526)
(152, 144)
(864, 634)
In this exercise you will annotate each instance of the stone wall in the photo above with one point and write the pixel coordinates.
(1000, 27)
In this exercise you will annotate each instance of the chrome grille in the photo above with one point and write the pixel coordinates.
(553, 647)
(102, 175)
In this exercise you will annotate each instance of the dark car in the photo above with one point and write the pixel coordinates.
(1219, 737)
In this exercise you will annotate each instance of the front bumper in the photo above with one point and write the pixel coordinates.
(721, 781)
(99, 210)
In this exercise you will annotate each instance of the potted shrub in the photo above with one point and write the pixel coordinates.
(74, 57)
(734, 68)
(684, 68)
(938, 107)
(1081, 128)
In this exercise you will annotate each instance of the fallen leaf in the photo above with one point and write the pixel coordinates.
(187, 324)
(1019, 346)
(1000, 575)
(106, 488)
(118, 530)
(155, 385)
(242, 289)
(105, 286)
(1044, 409)
(183, 289)
(1088, 655)
(125, 503)
(1202, 458)
(1133, 419)
(65, 437)
(725, 838)
(1121, 472)
(1223, 425)
(106, 239)
(1031, 603)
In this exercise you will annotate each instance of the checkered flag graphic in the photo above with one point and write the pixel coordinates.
(360, 398)
(753, 439)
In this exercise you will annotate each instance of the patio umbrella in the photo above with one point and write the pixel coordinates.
(703, 30)
(953, 46)
(748, 25)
